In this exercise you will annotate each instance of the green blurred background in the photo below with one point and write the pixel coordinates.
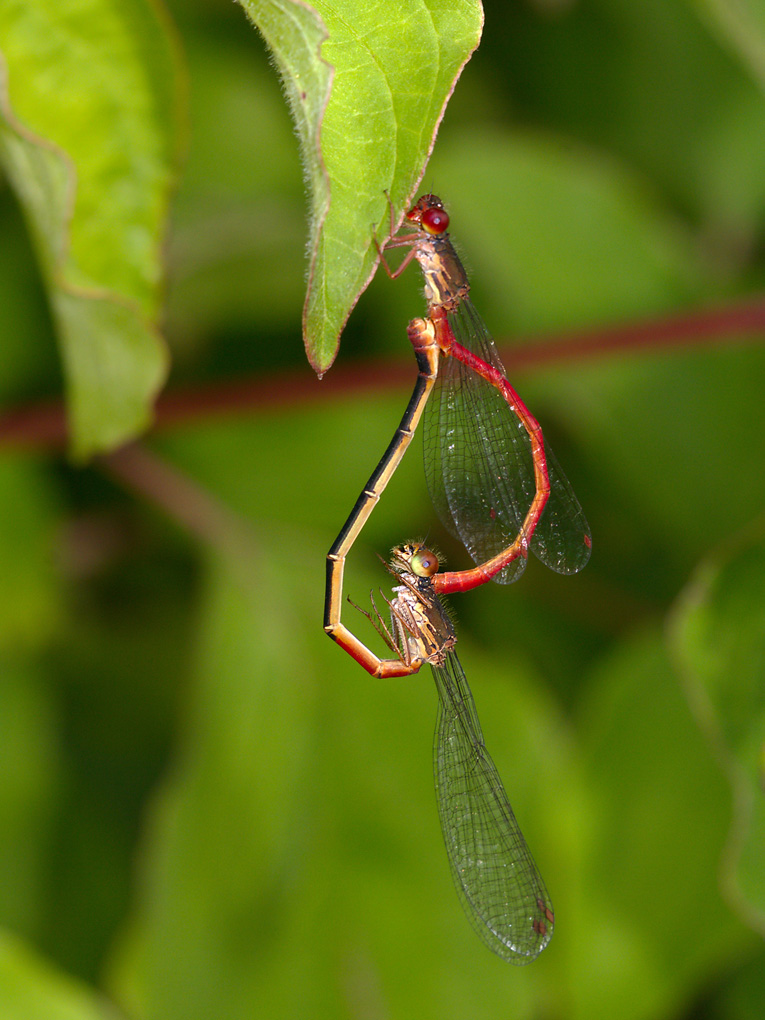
(207, 809)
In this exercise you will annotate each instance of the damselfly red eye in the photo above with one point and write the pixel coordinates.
(435, 221)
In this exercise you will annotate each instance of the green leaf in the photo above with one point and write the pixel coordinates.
(741, 997)
(30, 595)
(31, 766)
(31, 607)
(295, 845)
(220, 848)
(89, 140)
(559, 236)
(650, 922)
(368, 84)
(31, 989)
(719, 638)
(741, 25)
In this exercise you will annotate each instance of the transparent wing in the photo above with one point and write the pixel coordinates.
(479, 466)
(497, 880)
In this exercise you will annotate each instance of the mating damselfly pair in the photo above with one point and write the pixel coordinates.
(499, 490)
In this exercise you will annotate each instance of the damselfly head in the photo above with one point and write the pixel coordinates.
(414, 558)
(429, 212)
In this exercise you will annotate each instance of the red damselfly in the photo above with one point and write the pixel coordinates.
(489, 471)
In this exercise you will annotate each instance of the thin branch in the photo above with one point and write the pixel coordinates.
(182, 498)
(42, 425)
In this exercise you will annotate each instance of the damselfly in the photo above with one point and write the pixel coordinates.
(496, 878)
(486, 462)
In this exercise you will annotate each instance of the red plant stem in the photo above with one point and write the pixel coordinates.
(42, 425)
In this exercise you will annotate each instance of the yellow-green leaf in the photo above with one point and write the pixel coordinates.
(89, 140)
(368, 83)
(719, 639)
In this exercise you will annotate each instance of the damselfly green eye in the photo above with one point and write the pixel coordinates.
(424, 563)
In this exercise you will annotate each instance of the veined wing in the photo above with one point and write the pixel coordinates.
(480, 469)
(497, 880)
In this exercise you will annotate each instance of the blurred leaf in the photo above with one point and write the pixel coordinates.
(392, 71)
(558, 236)
(719, 639)
(742, 997)
(237, 218)
(31, 989)
(29, 585)
(30, 362)
(295, 34)
(650, 921)
(227, 811)
(89, 110)
(740, 23)
(302, 804)
(672, 435)
(31, 609)
(31, 767)
(319, 495)
(645, 81)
